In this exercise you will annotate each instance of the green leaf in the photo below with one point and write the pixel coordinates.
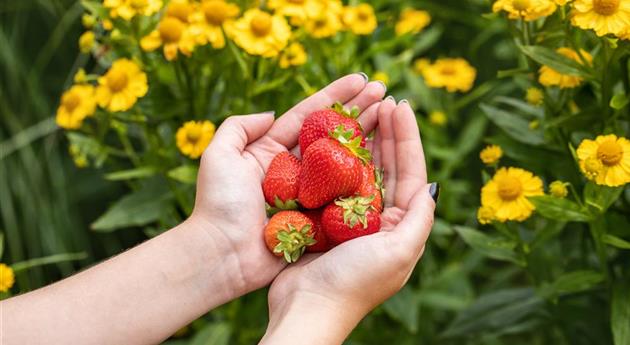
(619, 101)
(601, 197)
(620, 314)
(616, 241)
(515, 126)
(404, 307)
(496, 248)
(131, 174)
(217, 333)
(573, 282)
(184, 174)
(496, 312)
(558, 62)
(141, 207)
(559, 209)
(47, 260)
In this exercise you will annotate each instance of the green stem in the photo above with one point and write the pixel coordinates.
(597, 228)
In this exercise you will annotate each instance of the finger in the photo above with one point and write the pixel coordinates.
(239, 130)
(285, 130)
(372, 93)
(369, 118)
(415, 227)
(387, 148)
(410, 167)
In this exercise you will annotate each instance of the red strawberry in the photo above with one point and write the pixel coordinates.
(372, 185)
(288, 233)
(320, 123)
(321, 244)
(331, 168)
(349, 218)
(280, 185)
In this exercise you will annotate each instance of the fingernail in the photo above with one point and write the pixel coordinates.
(403, 101)
(270, 112)
(364, 76)
(390, 98)
(434, 190)
(382, 84)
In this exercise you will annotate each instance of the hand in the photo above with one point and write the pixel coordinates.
(230, 202)
(347, 282)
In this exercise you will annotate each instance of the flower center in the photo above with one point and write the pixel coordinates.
(178, 10)
(609, 152)
(261, 24)
(139, 4)
(117, 80)
(605, 7)
(510, 188)
(193, 134)
(363, 14)
(448, 71)
(521, 5)
(320, 22)
(171, 29)
(296, 1)
(71, 101)
(215, 12)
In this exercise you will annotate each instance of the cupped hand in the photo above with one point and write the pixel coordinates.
(230, 202)
(362, 273)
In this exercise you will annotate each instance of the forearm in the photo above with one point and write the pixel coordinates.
(138, 297)
(311, 319)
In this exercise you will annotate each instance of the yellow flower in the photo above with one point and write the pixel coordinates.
(421, 65)
(80, 77)
(293, 55)
(193, 137)
(127, 9)
(561, 2)
(533, 124)
(121, 86)
(107, 24)
(525, 9)
(360, 19)
(297, 10)
(7, 278)
(88, 21)
(491, 154)
(453, 74)
(507, 194)
(558, 189)
(534, 96)
(76, 104)
(550, 77)
(180, 9)
(260, 33)
(327, 22)
(86, 42)
(208, 21)
(173, 35)
(438, 118)
(603, 16)
(606, 160)
(412, 21)
(485, 215)
(381, 76)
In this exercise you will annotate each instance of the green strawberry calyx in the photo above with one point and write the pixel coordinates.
(378, 181)
(341, 110)
(355, 209)
(293, 243)
(344, 137)
(280, 205)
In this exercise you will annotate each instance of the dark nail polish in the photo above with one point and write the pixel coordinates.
(364, 76)
(434, 190)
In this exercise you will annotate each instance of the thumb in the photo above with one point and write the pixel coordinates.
(415, 226)
(239, 130)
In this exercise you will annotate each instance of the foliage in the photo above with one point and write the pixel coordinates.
(560, 275)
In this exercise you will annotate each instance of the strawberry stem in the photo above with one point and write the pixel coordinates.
(355, 209)
(341, 110)
(344, 137)
(293, 243)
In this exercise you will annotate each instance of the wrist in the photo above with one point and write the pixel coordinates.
(310, 318)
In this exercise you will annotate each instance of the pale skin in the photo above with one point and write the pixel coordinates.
(145, 294)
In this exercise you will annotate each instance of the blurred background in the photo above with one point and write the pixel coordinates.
(456, 295)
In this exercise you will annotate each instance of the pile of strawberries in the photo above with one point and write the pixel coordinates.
(334, 194)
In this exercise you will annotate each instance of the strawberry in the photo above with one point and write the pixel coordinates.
(320, 123)
(372, 185)
(331, 168)
(321, 243)
(349, 218)
(288, 233)
(280, 185)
